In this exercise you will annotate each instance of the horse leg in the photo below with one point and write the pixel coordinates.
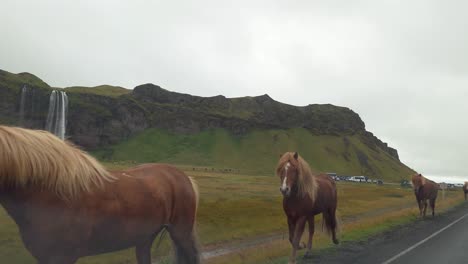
(143, 250)
(421, 206)
(185, 242)
(311, 222)
(432, 203)
(425, 207)
(291, 227)
(299, 229)
(332, 224)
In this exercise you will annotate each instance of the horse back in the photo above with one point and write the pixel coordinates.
(326, 199)
(430, 190)
(326, 190)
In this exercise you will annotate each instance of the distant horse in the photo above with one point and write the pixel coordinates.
(424, 189)
(304, 196)
(465, 189)
(67, 205)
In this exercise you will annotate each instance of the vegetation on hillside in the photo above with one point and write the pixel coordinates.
(257, 152)
(103, 90)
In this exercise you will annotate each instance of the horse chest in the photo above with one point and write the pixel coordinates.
(296, 207)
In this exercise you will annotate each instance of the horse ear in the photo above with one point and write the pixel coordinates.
(419, 174)
(296, 155)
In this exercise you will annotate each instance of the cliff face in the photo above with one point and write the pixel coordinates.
(100, 119)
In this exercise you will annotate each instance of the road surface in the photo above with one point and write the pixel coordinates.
(443, 239)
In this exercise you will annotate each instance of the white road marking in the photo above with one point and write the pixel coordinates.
(423, 241)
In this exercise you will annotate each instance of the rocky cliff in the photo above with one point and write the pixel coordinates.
(107, 115)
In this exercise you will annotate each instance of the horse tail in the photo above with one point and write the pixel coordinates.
(331, 221)
(332, 225)
(184, 236)
(196, 192)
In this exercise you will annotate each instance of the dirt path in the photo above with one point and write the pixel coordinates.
(229, 248)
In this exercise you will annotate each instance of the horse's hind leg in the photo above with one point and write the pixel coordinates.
(143, 250)
(185, 242)
(425, 207)
(432, 203)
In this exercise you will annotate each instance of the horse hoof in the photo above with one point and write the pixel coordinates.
(308, 255)
(336, 241)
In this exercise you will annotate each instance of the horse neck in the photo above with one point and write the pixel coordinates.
(15, 202)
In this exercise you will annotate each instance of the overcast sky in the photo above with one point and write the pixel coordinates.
(401, 65)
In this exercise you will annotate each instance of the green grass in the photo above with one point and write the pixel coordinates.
(257, 152)
(16, 81)
(104, 90)
(235, 208)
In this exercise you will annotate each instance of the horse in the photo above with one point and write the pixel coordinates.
(304, 196)
(424, 189)
(67, 205)
(465, 189)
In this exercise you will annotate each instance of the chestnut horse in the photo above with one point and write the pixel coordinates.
(304, 196)
(67, 205)
(424, 189)
(465, 189)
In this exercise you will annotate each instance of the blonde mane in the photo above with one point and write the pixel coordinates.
(38, 158)
(418, 180)
(306, 182)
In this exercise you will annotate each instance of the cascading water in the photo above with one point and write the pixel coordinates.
(24, 94)
(57, 115)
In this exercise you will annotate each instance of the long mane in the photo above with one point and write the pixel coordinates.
(419, 180)
(306, 182)
(38, 158)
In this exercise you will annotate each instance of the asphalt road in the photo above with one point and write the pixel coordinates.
(439, 240)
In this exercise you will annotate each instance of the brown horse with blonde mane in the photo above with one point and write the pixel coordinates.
(424, 189)
(67, 205)
(465, 189)
(304, 196)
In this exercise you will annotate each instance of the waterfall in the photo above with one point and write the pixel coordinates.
(24, 93)
(57, 115)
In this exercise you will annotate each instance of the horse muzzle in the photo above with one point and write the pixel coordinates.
(286, 191)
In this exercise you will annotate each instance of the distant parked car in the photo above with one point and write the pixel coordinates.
(379, 182)
(357, 178)
(405, 184)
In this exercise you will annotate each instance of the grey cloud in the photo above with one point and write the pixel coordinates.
(400, 64)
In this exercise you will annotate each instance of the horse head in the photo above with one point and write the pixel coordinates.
(288, 172)
(418, 181)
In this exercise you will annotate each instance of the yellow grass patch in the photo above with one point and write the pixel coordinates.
(236, 208)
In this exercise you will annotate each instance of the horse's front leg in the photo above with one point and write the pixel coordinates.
(298, 230)
(291, 227)
(421, 206)
(425, 208)
(311, 222)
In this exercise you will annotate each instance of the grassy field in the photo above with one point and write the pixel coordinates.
(104, 90)
(235, 208)
(345, 155)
